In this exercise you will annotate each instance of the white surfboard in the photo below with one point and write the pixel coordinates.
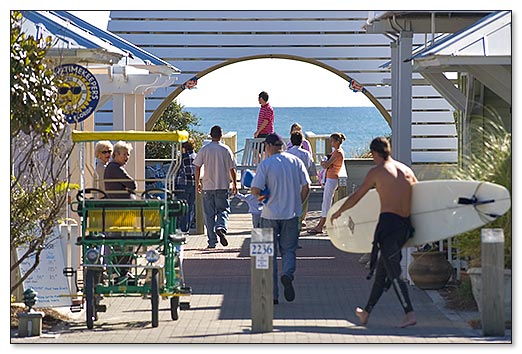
(440, 209)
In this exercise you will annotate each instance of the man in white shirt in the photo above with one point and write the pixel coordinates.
(220, 170)
(286, 178)
(296, 141)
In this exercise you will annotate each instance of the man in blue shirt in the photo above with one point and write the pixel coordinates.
(285, 176)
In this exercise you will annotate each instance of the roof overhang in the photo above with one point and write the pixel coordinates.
(493, 71)
(423, 21)
(137, 57)
(443, 63)
(483, 50)
(76, 41)
(82, 55)
(157, 69)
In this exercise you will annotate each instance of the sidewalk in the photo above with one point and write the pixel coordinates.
(329, 285)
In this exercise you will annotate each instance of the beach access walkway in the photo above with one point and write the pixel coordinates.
(329, 284)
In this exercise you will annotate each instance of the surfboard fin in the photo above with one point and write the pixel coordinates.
(474, 201)
(492, 215)
(467, 201)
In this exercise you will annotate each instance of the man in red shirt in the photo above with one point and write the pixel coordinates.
(265, 121)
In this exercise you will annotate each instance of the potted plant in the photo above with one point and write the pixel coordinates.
(430, 270)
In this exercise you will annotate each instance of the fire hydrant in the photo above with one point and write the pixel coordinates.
(30, 322)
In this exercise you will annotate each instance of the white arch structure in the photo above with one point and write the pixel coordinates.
(347, 43)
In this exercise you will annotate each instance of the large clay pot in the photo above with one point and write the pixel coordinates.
(430, 270)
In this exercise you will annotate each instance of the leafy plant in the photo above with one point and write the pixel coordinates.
(33, 92)
(174, 118)
(40, 148)
(489, 161)
(367, 154)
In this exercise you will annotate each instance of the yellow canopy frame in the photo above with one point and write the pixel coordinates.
(172, 136)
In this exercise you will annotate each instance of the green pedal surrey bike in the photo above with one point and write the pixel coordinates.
(130, 247)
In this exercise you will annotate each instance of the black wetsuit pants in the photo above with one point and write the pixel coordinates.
(391, 234)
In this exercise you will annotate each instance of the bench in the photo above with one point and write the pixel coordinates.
(252, 154)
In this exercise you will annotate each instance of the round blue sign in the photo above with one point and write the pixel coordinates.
(79, 92)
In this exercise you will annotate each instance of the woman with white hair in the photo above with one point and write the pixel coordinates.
(118, 183)
(102, 151)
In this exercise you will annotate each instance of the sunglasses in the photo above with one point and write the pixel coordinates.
(75, 90)
(106, 152)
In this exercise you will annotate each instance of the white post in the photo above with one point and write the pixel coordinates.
(401, 124)
(401, 112)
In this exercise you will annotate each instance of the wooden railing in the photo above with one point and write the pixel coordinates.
(320, 145)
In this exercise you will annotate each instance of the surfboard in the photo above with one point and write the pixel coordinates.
(440, 209)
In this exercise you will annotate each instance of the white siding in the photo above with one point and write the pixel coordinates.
(194, 41)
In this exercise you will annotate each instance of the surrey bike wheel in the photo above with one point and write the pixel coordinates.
(90, 303)
(174, 308)
(154, 297)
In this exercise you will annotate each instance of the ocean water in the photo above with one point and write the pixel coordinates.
(359, 124)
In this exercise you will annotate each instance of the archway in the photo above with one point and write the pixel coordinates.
(197, 42)
(161, 108)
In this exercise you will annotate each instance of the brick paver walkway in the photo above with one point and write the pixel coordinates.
(329, 284)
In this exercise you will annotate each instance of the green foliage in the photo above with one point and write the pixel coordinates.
(27, 209)
(367, 154)
(490, 161)
(31, 209)
(465, 290)
(33, 88)
(40, 148)
(174, 118)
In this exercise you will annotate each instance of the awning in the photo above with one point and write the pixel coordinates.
(78, 41)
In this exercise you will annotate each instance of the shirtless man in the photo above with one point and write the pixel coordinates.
(393, 181)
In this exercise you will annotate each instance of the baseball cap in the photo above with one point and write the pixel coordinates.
(274, 139)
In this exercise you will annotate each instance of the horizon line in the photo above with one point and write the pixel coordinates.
(275, 107)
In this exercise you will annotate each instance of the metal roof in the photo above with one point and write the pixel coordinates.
(392, 22)
(71, 32)
(470, 40)
(482, 49)
(462, 42)
(65, 34)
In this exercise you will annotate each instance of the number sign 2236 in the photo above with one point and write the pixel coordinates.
(258, 249)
